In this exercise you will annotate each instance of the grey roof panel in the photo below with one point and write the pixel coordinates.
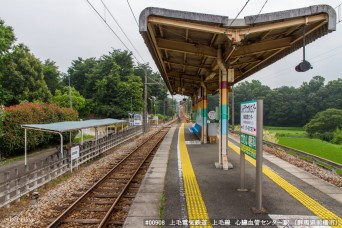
(72, 125)
(300, 12)
(184, 15)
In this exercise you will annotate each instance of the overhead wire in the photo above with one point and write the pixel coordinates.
(260, 11)
(320, 58)
(133, 13)
(238, 13)
(338, 13)
(256, 17)
(117, 23)
(111, 29)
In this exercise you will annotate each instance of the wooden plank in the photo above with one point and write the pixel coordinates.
(196, 49)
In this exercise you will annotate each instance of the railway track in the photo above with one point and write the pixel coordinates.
(107, 201)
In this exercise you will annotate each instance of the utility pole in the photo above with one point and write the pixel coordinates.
(70, 93)
(164, 107)
(145, 102)
(131, 106)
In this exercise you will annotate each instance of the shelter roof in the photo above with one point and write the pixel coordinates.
(185, 45)
(72, 125)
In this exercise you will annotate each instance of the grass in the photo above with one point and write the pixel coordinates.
(297, 138)
(10, 160)
(287, 131)
(314, 146)
(162, 206)
(78, 138)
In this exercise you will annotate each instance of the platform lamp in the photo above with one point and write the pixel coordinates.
(304, 65)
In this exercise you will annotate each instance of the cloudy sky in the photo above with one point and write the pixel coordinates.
(62, 30)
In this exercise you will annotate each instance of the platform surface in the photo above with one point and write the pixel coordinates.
(196, 194)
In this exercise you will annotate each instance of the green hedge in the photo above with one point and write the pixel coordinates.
(13, 138)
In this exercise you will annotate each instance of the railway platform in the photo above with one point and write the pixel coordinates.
(184, 186)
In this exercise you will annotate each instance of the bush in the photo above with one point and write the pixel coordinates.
(270, 137)
(325, 121)
(29, 113)
(337, 136)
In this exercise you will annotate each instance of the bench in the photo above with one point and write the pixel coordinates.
(196, 129)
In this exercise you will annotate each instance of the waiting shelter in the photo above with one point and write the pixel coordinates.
(199, 54)
(68, 126)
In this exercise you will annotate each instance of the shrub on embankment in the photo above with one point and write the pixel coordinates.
(326, 125)
(12, 139)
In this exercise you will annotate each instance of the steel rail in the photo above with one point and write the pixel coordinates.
(110, 211)
(62, 216)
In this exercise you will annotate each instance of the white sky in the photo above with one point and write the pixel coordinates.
(63, 30)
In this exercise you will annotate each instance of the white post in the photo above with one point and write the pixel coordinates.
(61, 135)
(25, 146)
(81, 136)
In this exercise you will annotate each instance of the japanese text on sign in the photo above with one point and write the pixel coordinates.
(248, 117)
(75, 152)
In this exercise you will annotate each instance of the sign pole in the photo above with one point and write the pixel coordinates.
(251, 133)
(242, 173)
(259, 158)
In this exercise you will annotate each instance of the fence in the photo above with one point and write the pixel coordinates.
(18, 183)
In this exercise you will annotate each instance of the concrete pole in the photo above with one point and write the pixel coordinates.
(70, 93)
(219, 114)
(224, 108)
(204, 111)
(131, 106)
(145, 101)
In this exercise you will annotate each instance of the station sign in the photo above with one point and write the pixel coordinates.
(75, 152)
(248, 129)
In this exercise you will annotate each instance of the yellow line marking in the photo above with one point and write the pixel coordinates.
(303, 198)
(197, 210)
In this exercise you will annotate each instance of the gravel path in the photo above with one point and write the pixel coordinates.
(316, 170)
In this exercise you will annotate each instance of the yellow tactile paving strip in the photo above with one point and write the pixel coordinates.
(197, 212)
(304, 199)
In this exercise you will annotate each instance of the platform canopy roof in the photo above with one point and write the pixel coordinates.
(185, 45)
(66, 126)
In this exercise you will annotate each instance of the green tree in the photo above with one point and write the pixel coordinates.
(82, 76)
(246, 91)
(52, 76)
(62, 98)
(22, 77)
(7, 37)
(312, 98)
(332, 94)
(284, 107)
(6, 41)
(125, 61)
(324, 123)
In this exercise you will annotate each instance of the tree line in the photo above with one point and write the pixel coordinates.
(287, 106)
(101, 87)
(290, 106)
